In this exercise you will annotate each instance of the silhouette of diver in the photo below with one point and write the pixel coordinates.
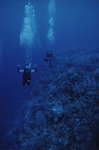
(49, 57)
(26, 73)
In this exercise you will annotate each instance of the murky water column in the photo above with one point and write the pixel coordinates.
(28, 32)
(0, 55)
(52, 12)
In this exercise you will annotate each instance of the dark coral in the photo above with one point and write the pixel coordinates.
(61, 110)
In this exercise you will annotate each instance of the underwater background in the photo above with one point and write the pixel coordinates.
(59, 110)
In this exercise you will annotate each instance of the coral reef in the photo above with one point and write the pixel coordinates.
(60, 112)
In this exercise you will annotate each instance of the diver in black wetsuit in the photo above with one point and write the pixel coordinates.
(49, 57)
(26, 74)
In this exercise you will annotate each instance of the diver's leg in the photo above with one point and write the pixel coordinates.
(24, 80)
(50, 63)
(29, 82)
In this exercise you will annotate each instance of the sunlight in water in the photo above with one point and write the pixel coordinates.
(50, 35)
(51, 8)
(29, 31)
(52, 11)
(29, 27)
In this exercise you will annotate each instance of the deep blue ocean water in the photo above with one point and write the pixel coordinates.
(76, 24)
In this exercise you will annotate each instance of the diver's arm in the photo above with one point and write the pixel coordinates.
(18, 69)
(35, 70)
(46, 59)
(32, 70)
(21, 71)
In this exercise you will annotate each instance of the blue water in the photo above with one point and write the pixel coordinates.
(76, 25)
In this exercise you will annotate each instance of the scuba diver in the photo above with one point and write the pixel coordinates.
(49, 57)
(26, 73)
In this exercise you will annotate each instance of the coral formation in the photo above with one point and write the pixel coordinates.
(61, 110)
